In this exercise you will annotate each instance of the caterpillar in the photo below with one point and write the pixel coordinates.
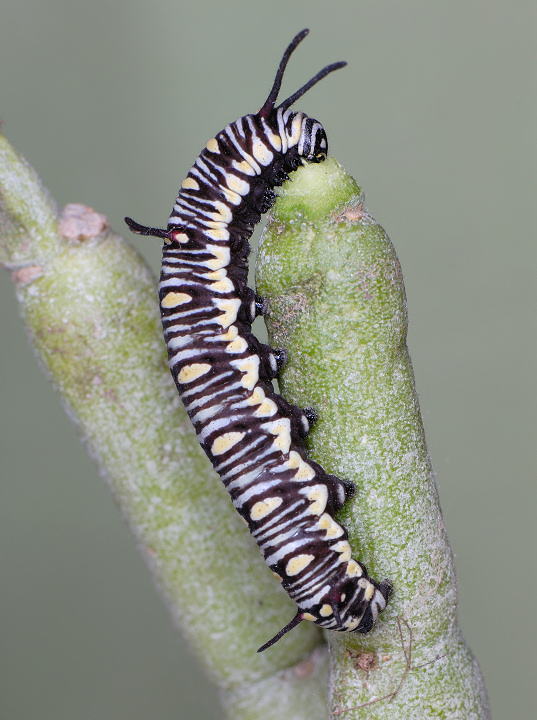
(253, 436)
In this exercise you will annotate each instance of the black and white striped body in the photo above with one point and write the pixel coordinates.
(253, 437)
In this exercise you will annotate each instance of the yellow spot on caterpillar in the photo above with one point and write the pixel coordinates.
(294, 460)
(250, 367)
(261, 152)
(229, 308)
(239, 345)
(225, 442)
(278, 577)
(282, 430)
(212, 146)
(237, 185)
(297, 564)
(318, 494)
(257, 397)
(274, 140)
(267, 408)
(263, 508)
(344, 549)
(233, 197)
(190, 184)
(326, 610)
(192, 372)
(309, 616)
(243, 167)
(223, 213)
(304, 472)
(222, 257)
(216, 274)
(215, 224)
(173, 299)
(370, 591)
(333, 529)
(353, 569)
(231, 334)
(352, 623)
(296, 131)
(223, 286)
(217, 234)
(179, 237)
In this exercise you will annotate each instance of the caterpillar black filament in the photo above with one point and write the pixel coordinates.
(253, 437)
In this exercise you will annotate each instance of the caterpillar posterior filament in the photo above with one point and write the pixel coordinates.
(253, 436)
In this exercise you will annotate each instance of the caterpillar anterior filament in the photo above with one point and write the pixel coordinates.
(253, 437)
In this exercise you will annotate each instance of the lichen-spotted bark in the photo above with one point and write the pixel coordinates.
(337, 304)
(89, 304)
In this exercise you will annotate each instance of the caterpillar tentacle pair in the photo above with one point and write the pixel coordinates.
(252, 435)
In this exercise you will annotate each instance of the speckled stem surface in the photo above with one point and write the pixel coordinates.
(337, 304)
(89, 303)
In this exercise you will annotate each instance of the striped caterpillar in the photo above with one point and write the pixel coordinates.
(253, 437)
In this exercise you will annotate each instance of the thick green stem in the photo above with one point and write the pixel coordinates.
(337, 304)
(89, 303)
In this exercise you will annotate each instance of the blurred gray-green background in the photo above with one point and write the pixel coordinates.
(435, 117)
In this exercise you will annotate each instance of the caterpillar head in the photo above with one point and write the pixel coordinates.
(305, 137)
(302, 131)
(313, 145)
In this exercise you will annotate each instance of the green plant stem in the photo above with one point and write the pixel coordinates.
(337, 304)
(89, 304)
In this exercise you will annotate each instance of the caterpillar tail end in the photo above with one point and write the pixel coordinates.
(386, 589)
(294, 622)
